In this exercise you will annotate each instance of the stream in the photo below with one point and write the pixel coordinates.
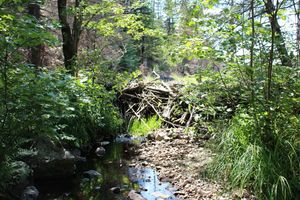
(115, 181)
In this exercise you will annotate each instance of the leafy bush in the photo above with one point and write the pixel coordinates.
(52, 103)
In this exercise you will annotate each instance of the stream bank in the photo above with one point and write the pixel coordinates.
(181, 159)
(167, 165)
(104, 174)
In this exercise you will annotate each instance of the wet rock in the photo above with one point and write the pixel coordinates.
(133, 195)
(77, 154)
(115, 190)
(104, 143)
(150, 137)
(97, 189)
(179, 193)
(91, 174)
(30, 193)
(100, 151)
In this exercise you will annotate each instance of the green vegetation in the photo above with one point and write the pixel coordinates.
(145, 125)
(61, 75)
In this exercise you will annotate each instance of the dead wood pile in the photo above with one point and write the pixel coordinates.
(159, 98)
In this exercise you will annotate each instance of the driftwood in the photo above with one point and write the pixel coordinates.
(140, 99)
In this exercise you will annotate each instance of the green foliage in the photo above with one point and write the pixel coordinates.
(144, 126)
(248, 163)
(52, 103)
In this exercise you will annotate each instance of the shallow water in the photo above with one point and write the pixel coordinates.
(114, 173)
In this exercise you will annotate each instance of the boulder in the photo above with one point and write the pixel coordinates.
(133, 195)
(50, 160)
(30, 193)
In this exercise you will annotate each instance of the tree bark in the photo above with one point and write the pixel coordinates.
(36, 51)
(252, 51)
(279, 39)
(70, 36)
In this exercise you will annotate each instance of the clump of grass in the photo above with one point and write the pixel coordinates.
(245, 161)
(145, 125)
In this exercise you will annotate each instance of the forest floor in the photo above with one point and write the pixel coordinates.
(181, 160)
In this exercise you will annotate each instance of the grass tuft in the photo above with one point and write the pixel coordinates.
(245, 161)
(143, 126)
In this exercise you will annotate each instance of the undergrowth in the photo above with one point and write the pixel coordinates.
(245, 161)
(145, 125)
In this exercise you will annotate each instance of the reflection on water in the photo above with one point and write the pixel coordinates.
(149, 183)
(114, 173)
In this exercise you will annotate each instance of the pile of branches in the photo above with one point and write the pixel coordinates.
(140, 100)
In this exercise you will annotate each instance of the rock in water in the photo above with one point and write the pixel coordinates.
(133, 195)
(160, 195)
(115, 190)
(91, 174)
(104, 143)
(100, 151)
(30, 193)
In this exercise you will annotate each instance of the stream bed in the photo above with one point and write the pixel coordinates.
(115, 181)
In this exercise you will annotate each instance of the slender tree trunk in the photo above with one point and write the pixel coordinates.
(279, 39)
(252, 51)
(298, 32)
(36, 51)
(70, 36)
(268, 137)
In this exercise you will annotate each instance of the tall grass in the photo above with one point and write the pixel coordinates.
(145, 125)
(246, 162)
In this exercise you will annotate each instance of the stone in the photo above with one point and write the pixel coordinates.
(30, 193)
(115, 190)
(179, 193)
(104, 143)
(159, 136)
(133, 195)
(77, 154)
(100, 151)
(160, 195)
(90, 174)
(97, 189)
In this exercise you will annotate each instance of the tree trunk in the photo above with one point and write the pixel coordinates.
(70, 36)
(36, 51)
(279, 39)
(251, 70)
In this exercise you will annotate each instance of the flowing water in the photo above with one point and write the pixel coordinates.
(114, 174)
